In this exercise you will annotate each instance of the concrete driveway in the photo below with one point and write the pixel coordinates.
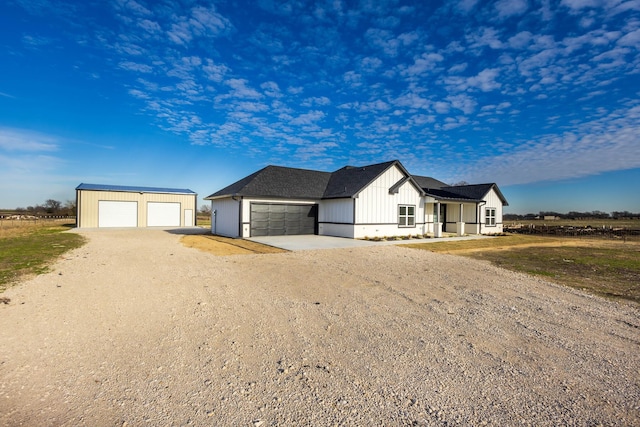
(310, 241)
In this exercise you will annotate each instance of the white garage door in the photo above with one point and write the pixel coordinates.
(163, 214)
(117, 214)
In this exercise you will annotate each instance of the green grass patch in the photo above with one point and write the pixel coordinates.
(606, 268)
(32, 250)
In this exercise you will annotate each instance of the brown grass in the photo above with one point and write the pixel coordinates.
(224, 246)
(605, 267)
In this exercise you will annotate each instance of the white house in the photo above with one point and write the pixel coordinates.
(356, 202)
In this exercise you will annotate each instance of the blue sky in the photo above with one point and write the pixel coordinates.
(540, 96)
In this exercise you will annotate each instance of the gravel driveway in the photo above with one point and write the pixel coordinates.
(135, 329)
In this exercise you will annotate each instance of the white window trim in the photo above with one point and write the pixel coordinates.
(490, 217)
(403, 220)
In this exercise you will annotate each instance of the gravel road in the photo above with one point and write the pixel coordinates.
(135, 329)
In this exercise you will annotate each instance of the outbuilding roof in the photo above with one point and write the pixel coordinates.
(133, 189)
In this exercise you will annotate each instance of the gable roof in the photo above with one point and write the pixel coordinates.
(426, 182)
(278, 181)
(350, 180)
(133, 189)
(474, 193)
(292, 183)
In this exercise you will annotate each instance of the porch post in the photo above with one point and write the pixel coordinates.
(437, 226)
(461, 222)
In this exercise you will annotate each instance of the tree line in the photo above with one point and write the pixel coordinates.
(573, 215)
(49, 207)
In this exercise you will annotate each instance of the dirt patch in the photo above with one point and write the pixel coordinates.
(224, 246)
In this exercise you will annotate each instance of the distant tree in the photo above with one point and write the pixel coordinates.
(205, 210)
(460, 183)
(600, 215)
(69, 207)
(624, 215)
(52, 206)
(511, 217)
(576, 215)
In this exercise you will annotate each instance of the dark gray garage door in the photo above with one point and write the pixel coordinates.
(274, 219)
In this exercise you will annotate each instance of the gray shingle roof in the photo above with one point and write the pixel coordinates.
(291, 183)
(475, 192)
(427, 182)
(350, 180)
(277, 181)
(133, 189)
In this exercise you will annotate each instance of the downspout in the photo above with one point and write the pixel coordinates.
(239, 200)
(214, 218)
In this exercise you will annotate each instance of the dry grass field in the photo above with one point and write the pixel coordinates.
(28, 246)
(609, 268)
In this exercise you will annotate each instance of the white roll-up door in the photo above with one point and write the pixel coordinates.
(163, 214)
(117, 214)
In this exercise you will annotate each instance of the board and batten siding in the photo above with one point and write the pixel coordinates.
(492, 201)
(335, 217)
(377, 209)
(226, 220)
(338, 211)
(88, 203)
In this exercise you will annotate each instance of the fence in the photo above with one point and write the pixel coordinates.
(604, 232)
(14, 221)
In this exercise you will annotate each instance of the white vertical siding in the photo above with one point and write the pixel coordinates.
(338, 211)
(492, 201)
(374, 204)
(226, 220)
(377, 209)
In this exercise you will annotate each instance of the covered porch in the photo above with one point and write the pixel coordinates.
(452, 218)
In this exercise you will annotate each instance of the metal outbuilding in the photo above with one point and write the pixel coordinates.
(127, 206)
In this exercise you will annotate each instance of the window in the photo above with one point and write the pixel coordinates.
(406, 216)
(490, 217)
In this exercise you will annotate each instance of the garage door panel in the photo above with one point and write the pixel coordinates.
(271, 219)
(113, 213)
(162, 214)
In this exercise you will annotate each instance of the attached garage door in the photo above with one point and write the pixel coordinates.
(163, 214)
(272, 219)
(117, 214)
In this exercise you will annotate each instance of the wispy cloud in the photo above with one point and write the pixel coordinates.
(25, 140)
(591, 148)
